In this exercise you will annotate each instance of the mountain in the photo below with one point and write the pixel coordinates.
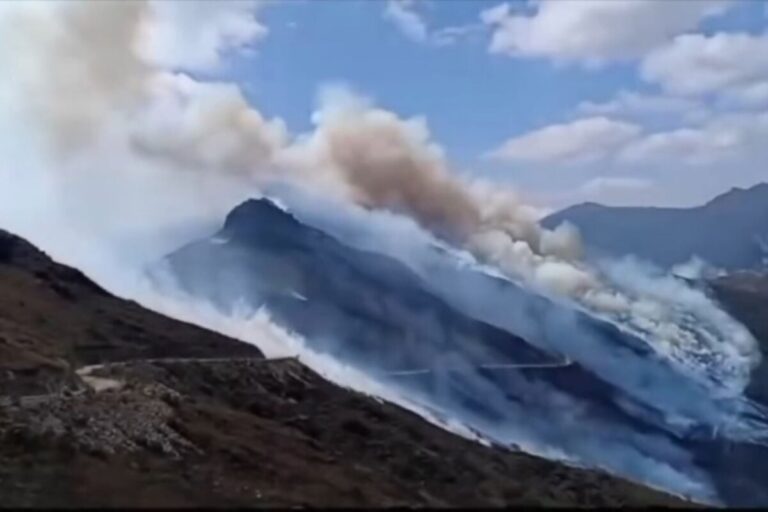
(479, 350)
(745, 296)
(729, 232)
(104, 403)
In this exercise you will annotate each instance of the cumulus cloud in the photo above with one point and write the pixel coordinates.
(403, 15)
(447, 36)
(732, 64)
(594, 31)
(633, 104)
(729, 137)
(583, 140)
(407, 20)
(715, 151)
(196, 36)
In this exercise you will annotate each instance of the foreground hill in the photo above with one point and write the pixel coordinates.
(175, 415)
(730, 232)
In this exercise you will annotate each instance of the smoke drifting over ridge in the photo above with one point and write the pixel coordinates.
(107, 148)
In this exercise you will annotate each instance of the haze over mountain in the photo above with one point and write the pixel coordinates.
(476, 348)
(729, 232)
(179, 416)
(129, 129)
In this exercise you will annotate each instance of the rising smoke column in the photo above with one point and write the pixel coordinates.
(103, 146)
(109, 143)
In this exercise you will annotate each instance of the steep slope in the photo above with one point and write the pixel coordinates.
(745, 296)
(475, 354)
(193, 418)
(363, 304)
(53, 319)
(730, 232)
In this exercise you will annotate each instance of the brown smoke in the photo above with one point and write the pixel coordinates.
(85, 65)
(382, 161)
(75, 79)
(387, 168)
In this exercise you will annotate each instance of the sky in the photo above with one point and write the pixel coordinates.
(630, 102)
(621, 102)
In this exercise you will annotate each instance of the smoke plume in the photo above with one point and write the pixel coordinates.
(124, 151)
(115, 161)
(380, 161)
(112, 154)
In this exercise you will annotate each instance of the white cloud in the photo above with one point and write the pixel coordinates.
(731, 138)
(580, 141)
(684, 145)
(594, 31)
(734, 65)
(754, 94)
(607, 185)
(451, 35)
(683, 166)
(407, 20)
(195, 35)
(627, 103)
(403, 15)
(495, 15)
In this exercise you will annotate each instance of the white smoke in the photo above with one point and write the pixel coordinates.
(374, 158)
(112, 155)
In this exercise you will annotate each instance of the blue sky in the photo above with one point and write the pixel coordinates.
(476, 97)
(472, 100)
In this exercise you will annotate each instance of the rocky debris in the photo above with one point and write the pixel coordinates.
(275, 433)
(103, 424)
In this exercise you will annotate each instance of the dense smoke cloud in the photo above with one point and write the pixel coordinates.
(136, 158)
(381, 161)
(111, 160)
(75, 65)
(207, 127)
(112, 155)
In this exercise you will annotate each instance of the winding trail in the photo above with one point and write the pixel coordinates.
(101, 384)
(423, 371)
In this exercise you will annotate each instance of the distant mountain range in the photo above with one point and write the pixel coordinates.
(729, 232)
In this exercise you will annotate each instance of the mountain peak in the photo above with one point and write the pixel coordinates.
(263, 217)
(757, 192)
(264, 209)
(728, 232)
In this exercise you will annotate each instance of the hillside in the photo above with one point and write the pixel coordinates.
(745, 296)
(174, 415)
(482, 351)
(730, 232)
